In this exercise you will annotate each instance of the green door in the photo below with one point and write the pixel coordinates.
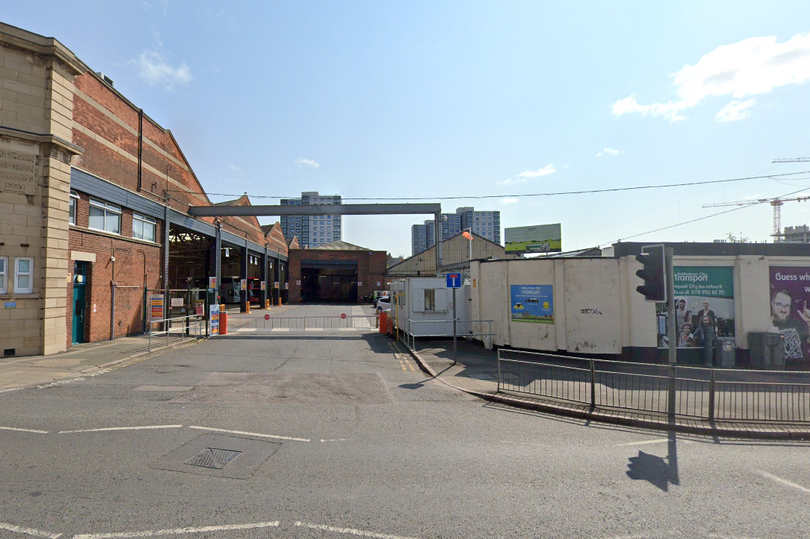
(79, 286)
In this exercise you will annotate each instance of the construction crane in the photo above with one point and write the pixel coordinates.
(777, 209)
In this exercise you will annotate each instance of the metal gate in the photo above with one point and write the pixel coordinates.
(355, 323)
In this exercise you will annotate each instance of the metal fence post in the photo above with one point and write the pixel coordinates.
(593, 384)
(711, 396)
(499, 371)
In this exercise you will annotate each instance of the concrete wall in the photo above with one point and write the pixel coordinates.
(597, 309)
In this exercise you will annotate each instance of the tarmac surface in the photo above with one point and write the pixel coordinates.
(474, 372)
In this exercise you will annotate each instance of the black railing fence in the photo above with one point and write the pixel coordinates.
(702, 393)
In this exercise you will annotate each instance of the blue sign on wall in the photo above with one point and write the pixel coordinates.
(453, 280)
(533, 303)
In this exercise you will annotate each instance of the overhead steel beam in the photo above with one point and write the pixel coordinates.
(331, 209)
(315, 209)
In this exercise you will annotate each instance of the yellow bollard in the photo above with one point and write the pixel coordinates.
(247, 307)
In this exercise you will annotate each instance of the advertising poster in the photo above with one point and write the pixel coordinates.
(700, 291)
(533, 303)
(790, 314)
(214, 319)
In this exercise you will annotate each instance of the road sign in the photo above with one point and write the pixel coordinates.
(343, 315)
(453, 280)
(267, 317)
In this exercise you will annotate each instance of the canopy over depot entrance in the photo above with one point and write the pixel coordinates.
(333, 281)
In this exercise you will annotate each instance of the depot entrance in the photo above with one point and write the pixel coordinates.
(329, 281)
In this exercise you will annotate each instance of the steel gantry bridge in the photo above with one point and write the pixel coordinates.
(330, 209)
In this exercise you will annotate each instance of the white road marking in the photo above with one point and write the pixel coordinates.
(280, 329)
(335, 440)
(350, 531)
(251, 434)
(109, 429)
(246, 329)
(25, 430)
(659, 441)
(783, 481)
(178, 531)
(28, 531)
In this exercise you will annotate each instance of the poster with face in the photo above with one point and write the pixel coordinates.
(704, 295)
(790, 292)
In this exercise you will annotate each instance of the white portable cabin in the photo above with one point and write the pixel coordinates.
(423, 306)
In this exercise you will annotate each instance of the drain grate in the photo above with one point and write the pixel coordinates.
(211, 457)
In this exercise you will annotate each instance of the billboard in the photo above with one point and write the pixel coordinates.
(700, 291)
(532, 303)
(790, 290)
(534, 239)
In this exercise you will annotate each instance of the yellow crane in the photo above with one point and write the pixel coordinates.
(776, 203)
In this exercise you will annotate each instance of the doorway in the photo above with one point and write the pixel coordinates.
(79, 296)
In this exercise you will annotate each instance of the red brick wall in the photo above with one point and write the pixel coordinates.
(370, 268)
(133, 259)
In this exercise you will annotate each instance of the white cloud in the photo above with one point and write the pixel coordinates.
(736, 110)
(608, 151)
(235, 168)
(754, 66)
(154, 69)
(512, 181)
(308, 162)
(545, 171)
(509, 200)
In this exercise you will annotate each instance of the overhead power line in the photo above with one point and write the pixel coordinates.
(553, 193)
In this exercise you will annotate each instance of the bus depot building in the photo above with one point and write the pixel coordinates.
(94, 223)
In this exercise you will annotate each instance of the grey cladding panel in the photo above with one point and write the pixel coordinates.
(96, 187)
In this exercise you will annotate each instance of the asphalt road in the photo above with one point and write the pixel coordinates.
(338, 434)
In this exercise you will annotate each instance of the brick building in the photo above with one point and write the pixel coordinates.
(93, 211)
(336, 272)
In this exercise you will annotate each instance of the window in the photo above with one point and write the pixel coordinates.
(74, 196)
(430, 299)
(105, 216)
(24, 275)
(143, 227)
(3, 275)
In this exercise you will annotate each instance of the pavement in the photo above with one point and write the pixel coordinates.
(475, 371)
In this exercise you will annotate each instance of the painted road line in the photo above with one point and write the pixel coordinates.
(280, 329)
(335, 440)
(110, 429)
(250, 434)
(401, 364)
(28, 531)
(314, 329)
(179, 531)
(783, 481)
(350, 531)
(25, 430)
(656, 441)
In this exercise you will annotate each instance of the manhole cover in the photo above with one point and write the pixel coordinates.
(211, 457)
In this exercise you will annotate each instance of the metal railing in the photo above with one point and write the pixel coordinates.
(303, 323)
(177, 330)
(411, 332)
(701, 393)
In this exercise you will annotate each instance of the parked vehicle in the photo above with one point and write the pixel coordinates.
(383, 304)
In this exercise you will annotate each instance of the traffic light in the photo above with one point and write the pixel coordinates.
(653, 273)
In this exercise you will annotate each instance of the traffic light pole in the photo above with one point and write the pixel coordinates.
(672, 327)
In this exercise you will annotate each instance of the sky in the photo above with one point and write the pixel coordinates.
(506, 105)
